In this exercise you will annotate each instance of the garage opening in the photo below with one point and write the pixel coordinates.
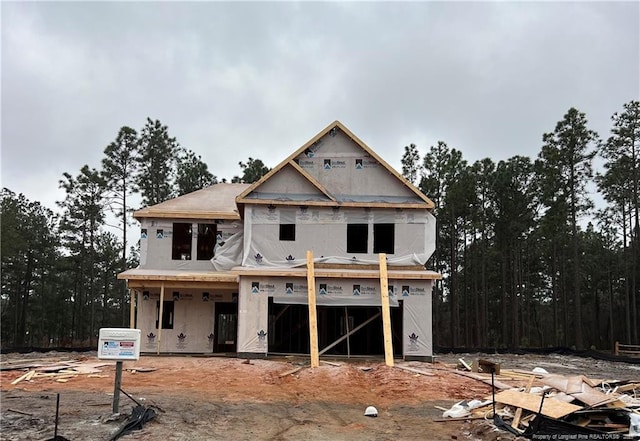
(289, 330)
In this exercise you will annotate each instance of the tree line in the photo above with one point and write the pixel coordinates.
(528, 259)
(58, 268)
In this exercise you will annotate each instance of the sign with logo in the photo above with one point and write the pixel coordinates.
(120, 344)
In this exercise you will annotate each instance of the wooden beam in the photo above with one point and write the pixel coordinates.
(313, 316)
(148, 285)
(386, 313)
(160, 318)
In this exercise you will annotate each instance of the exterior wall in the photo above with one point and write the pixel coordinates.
(344, 168)
(324, 230)
(193, 321)
(417, 326)
(156, 243)
(253, 319)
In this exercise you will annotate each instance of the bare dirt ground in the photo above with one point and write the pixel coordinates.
(214, 398)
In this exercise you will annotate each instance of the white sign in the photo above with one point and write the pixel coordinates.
(120, 344)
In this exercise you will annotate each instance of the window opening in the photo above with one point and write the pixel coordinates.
(206, 241)
(288, 232)
(383, 238)
(181, 241)
(357, 238)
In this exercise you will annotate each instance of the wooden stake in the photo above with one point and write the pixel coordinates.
(386, 314)
(313, 320)
(116, 387)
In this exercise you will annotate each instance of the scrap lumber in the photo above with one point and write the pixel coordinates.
(415, 371)
(551, 408)
(292, 371)
(484, 379)
(486, 366)
(26, 376)
(465, 364)
(516, 419)
(20, 412)
(577, 388)
(628, 387)
(470, 417)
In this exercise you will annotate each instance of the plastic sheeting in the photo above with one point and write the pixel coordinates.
(417, 336)
(323, 230)
(229, 253)
(253, 320)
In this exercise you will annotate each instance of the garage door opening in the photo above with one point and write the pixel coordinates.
(342, 330)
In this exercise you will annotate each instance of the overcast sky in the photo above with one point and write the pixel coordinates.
(234, 80)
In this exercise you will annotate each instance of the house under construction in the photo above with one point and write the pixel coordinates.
(325, 254)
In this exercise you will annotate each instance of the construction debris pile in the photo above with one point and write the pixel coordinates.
(60, 371)
(550, 405)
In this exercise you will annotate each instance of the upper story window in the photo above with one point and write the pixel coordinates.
(383, 238)
(206, 241)
(288, 232)
(357, 238)
(181, 241)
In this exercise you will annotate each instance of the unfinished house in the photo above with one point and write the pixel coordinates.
(237, 268)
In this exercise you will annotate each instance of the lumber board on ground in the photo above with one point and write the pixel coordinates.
(415, 371)
(291, 371)
(551, 407)
(22, 377)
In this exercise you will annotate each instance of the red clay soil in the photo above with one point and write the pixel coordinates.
(229, 398)
(214, 398)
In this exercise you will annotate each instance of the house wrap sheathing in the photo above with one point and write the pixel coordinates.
(224, 269)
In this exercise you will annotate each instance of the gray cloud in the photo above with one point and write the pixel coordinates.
(233, 80)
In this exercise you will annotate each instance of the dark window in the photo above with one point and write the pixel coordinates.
(167, 314)
(357, 238)
(181, 241)
(206, 241)
(287, 231)
(383, 238)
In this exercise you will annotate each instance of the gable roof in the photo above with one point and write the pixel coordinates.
(215, 202)
(323, 196)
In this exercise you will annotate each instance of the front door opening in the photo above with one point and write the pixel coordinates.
(226, 327)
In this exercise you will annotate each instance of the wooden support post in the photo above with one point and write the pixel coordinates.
(313, 320)
(133, 298)
(160, 318)
(116, 388)
(616, 349)
(386, 314)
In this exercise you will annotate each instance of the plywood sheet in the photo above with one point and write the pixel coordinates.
(552, 408)
(576, 387)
